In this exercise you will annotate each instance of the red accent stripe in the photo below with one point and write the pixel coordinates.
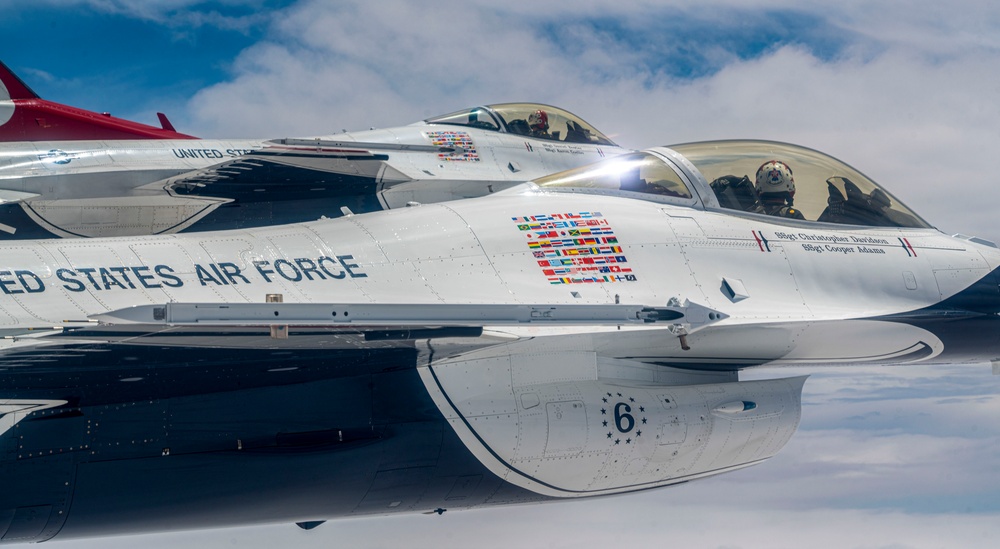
(317, 149)
(757, 238)
(910, 247)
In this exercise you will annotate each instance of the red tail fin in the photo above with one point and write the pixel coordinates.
(26, 117)
(12, 87)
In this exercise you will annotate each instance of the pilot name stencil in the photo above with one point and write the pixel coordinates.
(548, 147)
(837, 244)
(816, 248)
(831, 238)
(98, 278)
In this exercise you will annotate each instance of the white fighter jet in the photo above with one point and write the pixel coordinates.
(92, 188)
(578, 335)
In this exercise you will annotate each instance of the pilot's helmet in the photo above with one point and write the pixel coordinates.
(538, 121)
(774, 176)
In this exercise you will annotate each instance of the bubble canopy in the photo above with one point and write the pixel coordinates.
(559, 124)
(722, 174)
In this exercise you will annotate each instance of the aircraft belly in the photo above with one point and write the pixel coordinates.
(544, 421)
(44, 488)
(222, 431)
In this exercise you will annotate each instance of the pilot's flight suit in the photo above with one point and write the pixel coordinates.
(780, 209)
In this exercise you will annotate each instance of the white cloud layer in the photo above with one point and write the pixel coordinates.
(646, 522)
(909, 96)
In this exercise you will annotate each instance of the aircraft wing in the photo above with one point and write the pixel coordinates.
(306, 164)
(8, 196)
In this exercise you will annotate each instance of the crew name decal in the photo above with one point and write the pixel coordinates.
(575, 248)
(820, 243)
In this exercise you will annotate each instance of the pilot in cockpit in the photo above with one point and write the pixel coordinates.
(538, 123)
(776, 188)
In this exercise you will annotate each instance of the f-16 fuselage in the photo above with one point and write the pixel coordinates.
(557, 340)
(118, 188)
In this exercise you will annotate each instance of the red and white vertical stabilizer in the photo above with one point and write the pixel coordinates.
(26, 117)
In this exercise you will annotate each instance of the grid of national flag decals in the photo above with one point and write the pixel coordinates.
(575, 248)
(455, 139)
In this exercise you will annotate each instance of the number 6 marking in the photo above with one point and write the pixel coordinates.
(624, 422)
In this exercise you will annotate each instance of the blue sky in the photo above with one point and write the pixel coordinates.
(141, 50)
(136, 57)
(907, 92)
(99, 57)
